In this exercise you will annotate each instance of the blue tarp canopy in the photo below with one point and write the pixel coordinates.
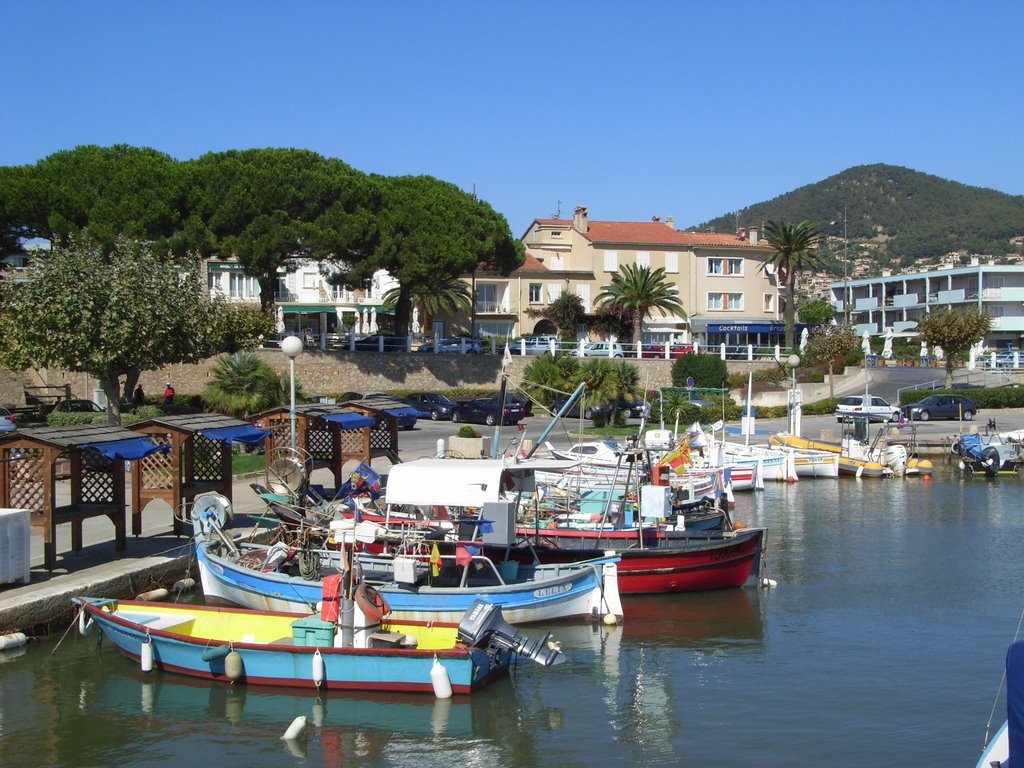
(350, 419)
(244, 433)
(132, 448)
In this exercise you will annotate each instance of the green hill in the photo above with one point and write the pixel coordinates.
(908, 216)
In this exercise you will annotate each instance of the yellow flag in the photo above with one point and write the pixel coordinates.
(435, 560)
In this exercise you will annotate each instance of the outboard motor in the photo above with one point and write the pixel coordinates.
(482, 625)
(991, 459)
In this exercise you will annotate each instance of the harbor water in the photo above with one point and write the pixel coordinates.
(882, 644)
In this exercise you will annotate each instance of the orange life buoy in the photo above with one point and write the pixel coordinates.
(371, 602)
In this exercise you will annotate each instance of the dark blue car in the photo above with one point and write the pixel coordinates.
(485, 410)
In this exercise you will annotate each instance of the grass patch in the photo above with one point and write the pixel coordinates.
(244, 463)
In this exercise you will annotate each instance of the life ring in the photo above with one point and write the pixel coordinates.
(371, 603)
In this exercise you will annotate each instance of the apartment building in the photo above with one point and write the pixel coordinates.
(899, 301)
(727, 296)
(304, 298)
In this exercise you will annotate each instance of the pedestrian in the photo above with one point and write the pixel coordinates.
(139, 396)
(168, 394)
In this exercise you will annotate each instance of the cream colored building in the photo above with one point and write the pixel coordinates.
(727, 296)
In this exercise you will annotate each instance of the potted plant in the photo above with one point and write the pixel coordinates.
(467, 442)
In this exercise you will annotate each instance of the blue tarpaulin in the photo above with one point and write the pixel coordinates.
(243, 433)
(350, 419)
(132, 448)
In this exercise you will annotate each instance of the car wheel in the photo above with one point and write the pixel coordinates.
(434, 416)
(968, 415)
(489, 421)
(923, 415)
(456, 418)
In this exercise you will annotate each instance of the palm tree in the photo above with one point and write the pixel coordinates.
(450, 295)
(638, 290)
(794, 249)
(242, 384)
(608, 383)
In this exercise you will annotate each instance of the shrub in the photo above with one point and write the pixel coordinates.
(141, 413)
(706, 370)
(467, 431)
(75, 419)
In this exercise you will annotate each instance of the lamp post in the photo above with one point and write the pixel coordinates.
(292, 348)
(794, 396)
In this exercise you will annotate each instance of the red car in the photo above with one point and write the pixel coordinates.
(658, 351)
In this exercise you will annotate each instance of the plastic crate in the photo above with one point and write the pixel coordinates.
(313, 631)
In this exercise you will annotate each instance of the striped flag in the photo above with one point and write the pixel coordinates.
(677, 457)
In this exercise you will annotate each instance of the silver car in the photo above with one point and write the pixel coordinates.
(876, 409)
(600, 349)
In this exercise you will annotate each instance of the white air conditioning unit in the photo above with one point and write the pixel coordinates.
(15, 546)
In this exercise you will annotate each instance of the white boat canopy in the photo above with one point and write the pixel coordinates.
(461, 482)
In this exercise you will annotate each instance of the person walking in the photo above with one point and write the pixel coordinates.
(139, 396)
(168, 394)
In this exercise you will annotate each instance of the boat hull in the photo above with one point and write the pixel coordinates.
(576, 591)
(679, 563)
(184, 648)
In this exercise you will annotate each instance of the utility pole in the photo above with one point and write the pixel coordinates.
(846, 273)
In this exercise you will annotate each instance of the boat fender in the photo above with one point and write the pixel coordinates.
(371, 603)
(184, 585)
(610, 619)
(85, 623)
(439, 680)
(318, 668)
(13, 640)
(214, 652)
(146, 655)
(233, 665)
(296, 729)
(155, 595)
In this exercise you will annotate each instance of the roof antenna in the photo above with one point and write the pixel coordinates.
(558, 212)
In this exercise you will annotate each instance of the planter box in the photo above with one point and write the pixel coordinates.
(468, 447)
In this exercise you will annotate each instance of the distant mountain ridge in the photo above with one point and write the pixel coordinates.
(902, 216)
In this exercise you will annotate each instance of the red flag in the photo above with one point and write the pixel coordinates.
(462, 556)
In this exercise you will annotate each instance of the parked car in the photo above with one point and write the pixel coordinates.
(940, 407)
(532, 345)
(372, 343)
(78, 406)
(453, 346)
(600, 349)
(658, 351)
(8, 422)
(485, 410)
(631, 408)
(438, 406)
(525, 402)
(876, 409)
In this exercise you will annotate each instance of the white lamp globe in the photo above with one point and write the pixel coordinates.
(291, 346)
(793, 360)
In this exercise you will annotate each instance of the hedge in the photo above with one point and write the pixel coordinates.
(994, 398)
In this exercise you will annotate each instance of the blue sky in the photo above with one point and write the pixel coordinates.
(633, 109)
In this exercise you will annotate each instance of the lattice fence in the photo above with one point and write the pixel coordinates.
(158, 468)
(97, 477)
(26, 472)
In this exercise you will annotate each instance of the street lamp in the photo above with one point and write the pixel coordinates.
(794, 399)
(292, 348)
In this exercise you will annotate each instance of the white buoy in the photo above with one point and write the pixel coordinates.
(13, 640)
(146, 655)
(296, 729)
(610, 619)
(233, 665)
(318, 668)
(154, 595)
(184, 585)
(439, 679)
(85, 623)
(768, 583)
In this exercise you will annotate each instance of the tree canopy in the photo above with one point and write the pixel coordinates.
(829, 344)
(427, 233)
(638, 290)
(953, 330)
(118, 191)
(114, 314)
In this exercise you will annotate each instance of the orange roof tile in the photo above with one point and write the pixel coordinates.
(652, 233)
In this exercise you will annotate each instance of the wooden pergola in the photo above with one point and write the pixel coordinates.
(198, 461)
(332, 434)
(96, 456)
